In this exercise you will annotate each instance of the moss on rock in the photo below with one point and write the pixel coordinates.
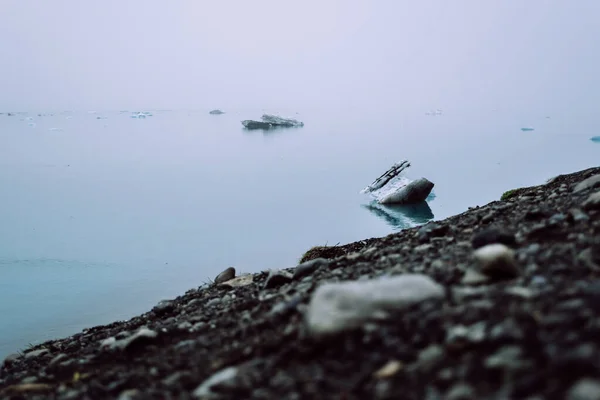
(509, 194)
(322, 252)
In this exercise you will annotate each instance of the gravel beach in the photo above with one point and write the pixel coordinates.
(499, 302)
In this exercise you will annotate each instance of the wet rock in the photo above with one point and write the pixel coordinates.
(130, 394)
(59, 358)
(307, 268)
(176, 377)
(193, 303)
(11, 359)
(497, 261)
(557, 219)
(508, 357)
(588, 183)
(489, 217)
(430, 357)
(335, 307)
(29, 379)
(520, 291)
(590, 257)
(592, 290)
(422, 248)
(473, 277)
(592, 202)
(461, 391)
(164, 307)
(36, 353)
(576, 215)
(493, 235)
(184, 326)
(213, 302)
(432, 230)
(226, 275)
(457, 336)
(277, 278)
(141, 338)
(536, 214)
(585, 389)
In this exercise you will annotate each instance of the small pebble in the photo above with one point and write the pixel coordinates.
(497, 261)
(493, 235)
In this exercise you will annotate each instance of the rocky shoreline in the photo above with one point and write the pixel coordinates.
(499, 302)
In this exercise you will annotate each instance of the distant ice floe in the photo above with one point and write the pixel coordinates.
(101, 117)
(141, 114)
(56, 129)
(434, 112)
(527, 129)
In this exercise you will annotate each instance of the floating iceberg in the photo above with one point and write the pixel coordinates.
(216, 112)
(392, 188)
(527, 129)
(595, 139)
(272, 121)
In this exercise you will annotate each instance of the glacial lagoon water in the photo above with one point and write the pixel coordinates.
(104, 215)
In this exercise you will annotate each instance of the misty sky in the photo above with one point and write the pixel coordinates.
(116, 54)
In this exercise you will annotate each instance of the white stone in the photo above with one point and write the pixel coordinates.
(239, 281)
(497, 260)
(335, 307)
(227, 374)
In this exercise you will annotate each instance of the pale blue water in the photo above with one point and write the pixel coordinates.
(104, 218)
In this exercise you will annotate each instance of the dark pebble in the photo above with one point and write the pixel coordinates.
(276, 279)
(493, 235)
(432, 230)
(307, 268)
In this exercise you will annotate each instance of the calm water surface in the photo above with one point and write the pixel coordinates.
(102, 218)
